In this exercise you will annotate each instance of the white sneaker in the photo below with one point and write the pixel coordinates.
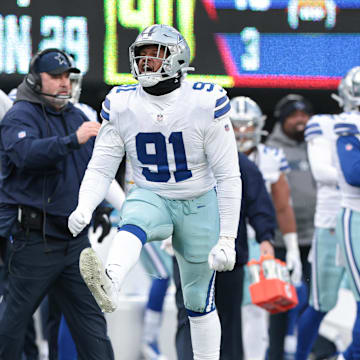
(151, 352)
(97, 280)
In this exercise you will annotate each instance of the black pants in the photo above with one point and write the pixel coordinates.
(32, 274)
(31, 351)
(228, 298)
(279, 322)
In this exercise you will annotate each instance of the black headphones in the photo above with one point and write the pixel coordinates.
(33, 78)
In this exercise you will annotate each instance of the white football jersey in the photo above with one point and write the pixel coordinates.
(328, 195)
(88, 111)
(271, 162)
(347, 123)
(180, 145)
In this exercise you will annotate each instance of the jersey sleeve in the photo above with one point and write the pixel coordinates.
(319, 149)
(105, 108)
(221, 152)
(222, 105)
(313, 128)
(108, 153)
(282, 160)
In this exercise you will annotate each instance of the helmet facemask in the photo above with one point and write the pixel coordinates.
(76, 83)
(172, 51)
(247, 120)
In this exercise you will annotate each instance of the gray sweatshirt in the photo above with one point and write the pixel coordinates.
(302, 185)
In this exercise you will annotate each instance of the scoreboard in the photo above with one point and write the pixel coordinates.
(292, 44)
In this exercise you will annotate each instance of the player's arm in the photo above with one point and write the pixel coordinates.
(319, 150)
(348, 150)
(285, 215)
(221, 151)
(280, 193)
(106, 158)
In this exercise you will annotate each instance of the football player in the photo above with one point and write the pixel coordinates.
(326, 275)
(181, 145)
(347, 161)
(248, 122)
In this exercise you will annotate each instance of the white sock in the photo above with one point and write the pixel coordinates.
(123, 255)
(254, 331)
(206, 336)
(152, 324)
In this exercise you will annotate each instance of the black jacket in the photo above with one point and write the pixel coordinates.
(42, 163)
(256, 208)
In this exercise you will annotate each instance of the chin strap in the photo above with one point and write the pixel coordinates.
(164, 87)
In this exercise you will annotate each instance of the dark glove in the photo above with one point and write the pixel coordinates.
(102, 218)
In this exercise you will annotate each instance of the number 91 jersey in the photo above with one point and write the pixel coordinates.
(179, 144)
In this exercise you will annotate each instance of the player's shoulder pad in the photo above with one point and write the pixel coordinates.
(274, 155)
(347, 124)
(118, 95)
(212, 96)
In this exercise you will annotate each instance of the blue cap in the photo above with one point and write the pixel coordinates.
(54, 63)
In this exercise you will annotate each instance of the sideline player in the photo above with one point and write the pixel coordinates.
(248, 122)
(181, 145)
(347, 160)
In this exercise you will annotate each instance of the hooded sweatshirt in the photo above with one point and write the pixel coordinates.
(301, 182)
(42, 163)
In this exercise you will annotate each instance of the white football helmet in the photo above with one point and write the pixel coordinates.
(176, 54)
(348, 95)
(76, 81)
(248, 122)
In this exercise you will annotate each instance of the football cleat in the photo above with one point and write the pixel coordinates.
(98, 281)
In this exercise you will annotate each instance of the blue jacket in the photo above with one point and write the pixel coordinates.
(256, 208)
(42, 163)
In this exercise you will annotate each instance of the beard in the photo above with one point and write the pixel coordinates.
(296, 132)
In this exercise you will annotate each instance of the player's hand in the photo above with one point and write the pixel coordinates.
(222, 256)
(293, 260)
(102, 219)
(78, 220)
(87, 130)
(266, 248)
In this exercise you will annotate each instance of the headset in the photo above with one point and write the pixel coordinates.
(33, 79)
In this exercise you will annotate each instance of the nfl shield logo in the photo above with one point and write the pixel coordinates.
(227, 127)
(21, 134)
(160, 117)
(348, 147)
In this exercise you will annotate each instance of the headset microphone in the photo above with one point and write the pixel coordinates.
(60, 97)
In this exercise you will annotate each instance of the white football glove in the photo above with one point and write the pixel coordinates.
(78, 220)
(222, 256)
(293, 260)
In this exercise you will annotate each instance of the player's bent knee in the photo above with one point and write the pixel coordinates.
(197, 302)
